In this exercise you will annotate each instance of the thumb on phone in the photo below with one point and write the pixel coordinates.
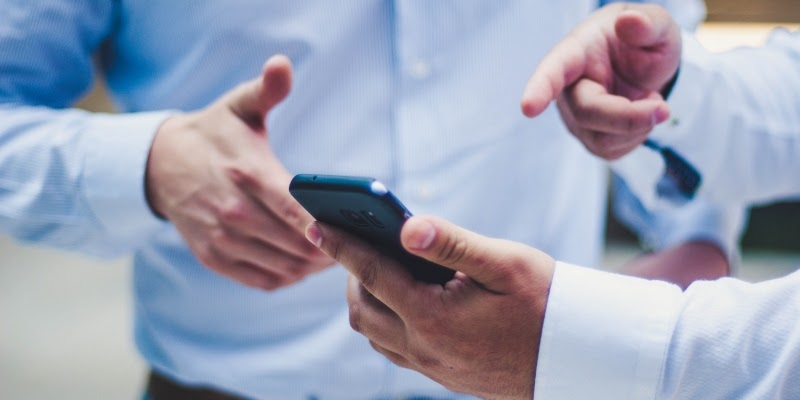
(498, 265)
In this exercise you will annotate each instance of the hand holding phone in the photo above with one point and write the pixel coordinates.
(366, 208)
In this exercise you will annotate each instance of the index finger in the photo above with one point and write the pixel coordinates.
(562, 66)
(386, 279)
(279, 219)
(268, 185)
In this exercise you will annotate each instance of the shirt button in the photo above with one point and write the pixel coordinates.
(420, 70)
(424, 192)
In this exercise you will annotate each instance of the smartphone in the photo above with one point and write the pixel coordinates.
(365, 208)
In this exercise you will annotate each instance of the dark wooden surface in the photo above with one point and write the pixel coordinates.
(754, 10)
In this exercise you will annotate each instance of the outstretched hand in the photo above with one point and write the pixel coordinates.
(607, 77)
(213, 174)
(479, 333)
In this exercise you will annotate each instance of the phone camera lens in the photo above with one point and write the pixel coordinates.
(372, 218)
(354, 217)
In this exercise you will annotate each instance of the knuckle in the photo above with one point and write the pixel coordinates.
(218, 239)
(299, 270)
(232, 211)
(431, 321)
(379, 349)
(336, 249)
(263, 282)
(517, 268)
(615, 155)
(451, 386)
(264, 279)
(369, 273)
(283, 273)
(635, 125)
(601, 144)
(424, 360)
(606, 141)
(207, 256)
(454, 249)
(283, 281)
(580, 111)
(293, 211)
(318, 259)
(243, 175)
(646, 127)
(631, 123)
(609, 155)
(356, 315)
(590, 145)
(393, 357)
(425, 325)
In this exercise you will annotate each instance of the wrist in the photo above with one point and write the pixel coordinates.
(161, 149)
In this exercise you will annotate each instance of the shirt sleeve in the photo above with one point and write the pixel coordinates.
(736, 118)
(605, 336)
(609, 336)
(68, 178)
(736, 340)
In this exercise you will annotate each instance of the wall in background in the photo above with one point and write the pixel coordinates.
(754, 11)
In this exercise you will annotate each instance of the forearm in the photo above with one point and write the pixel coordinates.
(681, 264)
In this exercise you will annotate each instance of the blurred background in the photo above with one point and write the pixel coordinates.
(65, 320)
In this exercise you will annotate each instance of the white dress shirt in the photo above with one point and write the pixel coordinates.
(614, 337)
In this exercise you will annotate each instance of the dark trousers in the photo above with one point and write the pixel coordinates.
(160, 387)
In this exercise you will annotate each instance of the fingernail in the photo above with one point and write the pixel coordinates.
(422, 235)
(661, 114)
(313, 234)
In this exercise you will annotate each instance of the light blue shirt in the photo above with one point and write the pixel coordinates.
(423, 95)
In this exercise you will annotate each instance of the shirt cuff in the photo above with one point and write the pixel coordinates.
(605, 336)
(117, 147)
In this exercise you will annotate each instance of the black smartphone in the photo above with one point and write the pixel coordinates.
(367, 209)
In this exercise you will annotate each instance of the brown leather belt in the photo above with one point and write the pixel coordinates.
(159, 387)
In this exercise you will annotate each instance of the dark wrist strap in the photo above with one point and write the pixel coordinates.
(667, 90)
